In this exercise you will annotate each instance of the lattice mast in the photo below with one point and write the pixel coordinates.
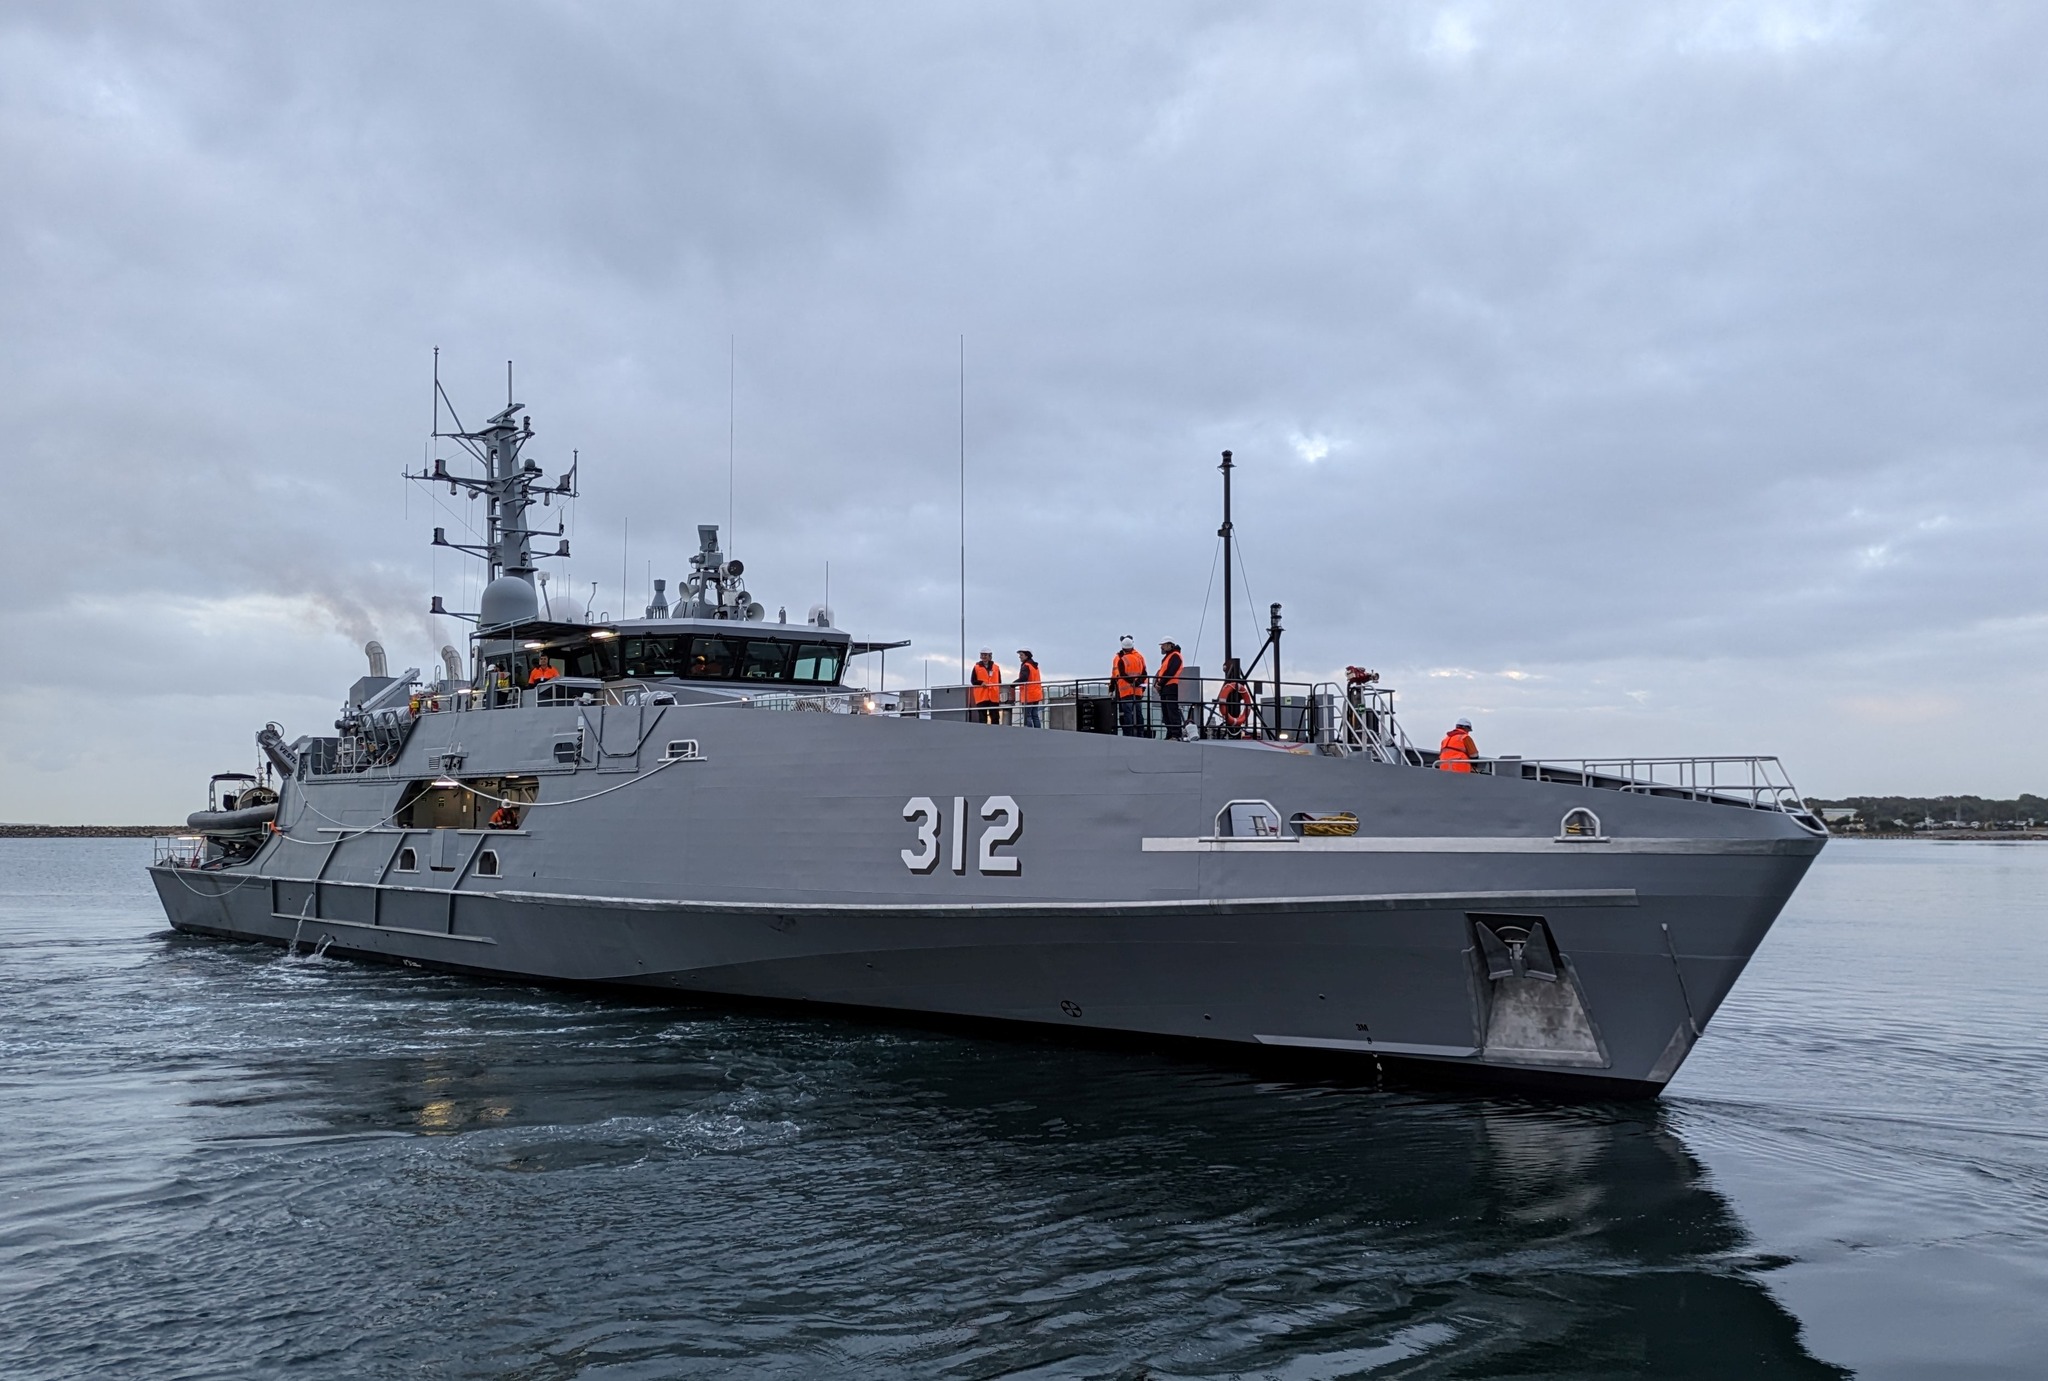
(509, 484)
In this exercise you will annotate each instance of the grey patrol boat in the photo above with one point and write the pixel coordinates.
(697, 801)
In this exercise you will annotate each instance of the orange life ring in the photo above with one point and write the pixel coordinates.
(1234, 704)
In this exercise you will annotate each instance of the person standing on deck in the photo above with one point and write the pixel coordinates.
(1234, 704)
(1030, 691)
(1127, 679)
(1457, 752)
(985, 690)
(1167, 683)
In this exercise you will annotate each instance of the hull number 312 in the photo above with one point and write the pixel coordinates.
(935, 838)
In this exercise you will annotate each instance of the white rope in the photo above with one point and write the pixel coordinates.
(575, 800)
(239, 883)
(356, 832)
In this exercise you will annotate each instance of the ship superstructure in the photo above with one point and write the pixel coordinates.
(699, 800)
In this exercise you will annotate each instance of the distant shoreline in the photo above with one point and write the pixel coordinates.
(1949, 836)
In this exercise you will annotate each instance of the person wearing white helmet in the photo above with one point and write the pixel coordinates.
(1457, 752)
(1127, 679)
(985, 690)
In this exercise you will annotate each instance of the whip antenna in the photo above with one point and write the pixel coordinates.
(963, 507)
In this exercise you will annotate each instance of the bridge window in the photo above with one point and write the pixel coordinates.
(818, 663)
(766, 660)
(714, 659)
(590, 660)
(704, 658)
(653, 656)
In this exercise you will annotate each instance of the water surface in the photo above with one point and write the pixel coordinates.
(219, 1161)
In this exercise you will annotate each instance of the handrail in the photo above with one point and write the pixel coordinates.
(1340, 721)
(1361, 719)
(1291, 711)
(1756, 780)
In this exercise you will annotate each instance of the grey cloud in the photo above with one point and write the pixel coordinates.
(1692, 352)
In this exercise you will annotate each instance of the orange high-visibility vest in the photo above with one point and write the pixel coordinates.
(1169, 670)
(988, 680)
(541, 673)
(1128, 672)
(1456, 752)
(1030, 690)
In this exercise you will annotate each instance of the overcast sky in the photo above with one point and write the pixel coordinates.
(1630, 378)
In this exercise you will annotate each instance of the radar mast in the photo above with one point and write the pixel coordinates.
(509, 484)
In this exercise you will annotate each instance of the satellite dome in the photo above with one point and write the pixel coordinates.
(508, 599)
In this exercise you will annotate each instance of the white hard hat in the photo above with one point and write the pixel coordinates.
(986, 653)
(1127, 641)
(1464, 724)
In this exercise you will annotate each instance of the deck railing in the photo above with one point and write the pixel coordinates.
(1340, 721)
(1755, 781)
(178, 851)
(1332, 719)
(1289, 712)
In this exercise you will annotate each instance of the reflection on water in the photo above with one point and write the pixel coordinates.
(219, 1161)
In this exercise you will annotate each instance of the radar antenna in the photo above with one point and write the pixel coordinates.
(509, 483)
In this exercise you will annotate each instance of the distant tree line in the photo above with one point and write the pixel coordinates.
(1879, 812)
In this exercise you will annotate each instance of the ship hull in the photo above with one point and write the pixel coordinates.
(846, 861)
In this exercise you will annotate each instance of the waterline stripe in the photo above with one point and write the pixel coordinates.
(1380, 901)
(1470, 844)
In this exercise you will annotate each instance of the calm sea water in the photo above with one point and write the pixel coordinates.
(218, 1161)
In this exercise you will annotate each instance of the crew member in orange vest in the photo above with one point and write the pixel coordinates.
(1030, 689)
(1457, 751)
(1234, 705)
(544, 671)
(1127, 678)
(1167, 682)
(985, 690)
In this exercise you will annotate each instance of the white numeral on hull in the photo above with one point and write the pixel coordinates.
(1007, 825)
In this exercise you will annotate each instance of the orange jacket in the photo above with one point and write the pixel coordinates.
(1169, 670)
(1030, 688)
(988, 681)
(1127, 673)
(1456, 752)
(541, 673)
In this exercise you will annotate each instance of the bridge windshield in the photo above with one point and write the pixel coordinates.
(818, 663)
(704, 657)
